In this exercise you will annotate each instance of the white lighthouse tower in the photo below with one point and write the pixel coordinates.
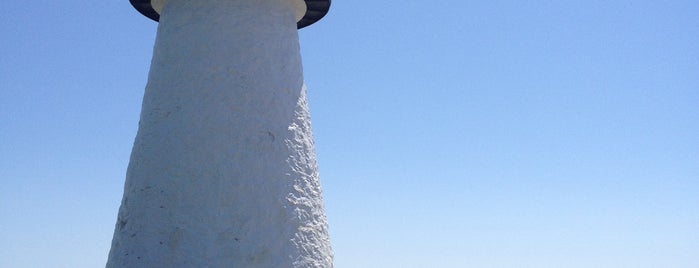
(223, 170)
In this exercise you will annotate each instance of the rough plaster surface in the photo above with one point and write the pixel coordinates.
(223, 170)
(300, 7)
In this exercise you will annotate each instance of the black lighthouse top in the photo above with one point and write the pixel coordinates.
(315, 10)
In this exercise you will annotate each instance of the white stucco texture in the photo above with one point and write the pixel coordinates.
(300, 7)
(223, 170)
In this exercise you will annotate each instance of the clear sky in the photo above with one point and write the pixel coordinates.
(449, 134)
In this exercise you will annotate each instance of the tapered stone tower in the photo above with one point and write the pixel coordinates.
(223, 170)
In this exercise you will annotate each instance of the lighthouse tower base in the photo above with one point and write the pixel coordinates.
(223, 170)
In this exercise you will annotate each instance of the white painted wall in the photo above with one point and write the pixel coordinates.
(223, 170)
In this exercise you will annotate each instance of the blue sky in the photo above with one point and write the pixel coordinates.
(449, 134)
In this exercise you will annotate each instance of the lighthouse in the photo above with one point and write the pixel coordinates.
(223, 170)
